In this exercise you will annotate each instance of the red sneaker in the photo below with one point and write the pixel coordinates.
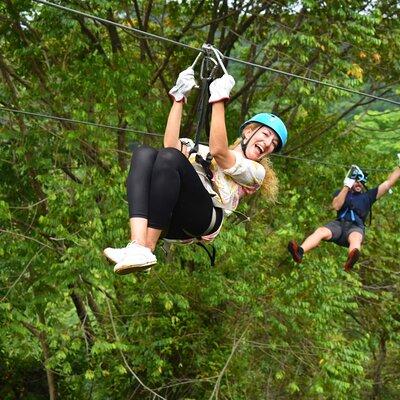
(352, 258)
(296, 251)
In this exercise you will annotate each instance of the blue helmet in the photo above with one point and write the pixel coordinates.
(273, 122)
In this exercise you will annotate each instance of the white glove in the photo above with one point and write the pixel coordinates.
(349, 182)
(184, 84)
(350, 178)
(220, 89)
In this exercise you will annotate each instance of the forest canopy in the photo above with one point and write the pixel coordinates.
(255, 326)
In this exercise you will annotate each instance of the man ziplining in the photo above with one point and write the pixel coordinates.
(353, 204)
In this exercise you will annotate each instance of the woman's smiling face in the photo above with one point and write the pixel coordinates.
(261, 141)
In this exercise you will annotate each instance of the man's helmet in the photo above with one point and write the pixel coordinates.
(359, 175)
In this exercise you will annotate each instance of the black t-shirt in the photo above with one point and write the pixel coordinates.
(359, 203)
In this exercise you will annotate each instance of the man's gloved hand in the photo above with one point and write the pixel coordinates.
(351, 176)
(220, 89)
(398, 159)
(184, 84)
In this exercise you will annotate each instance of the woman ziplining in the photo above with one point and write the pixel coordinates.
(353, 203)
(177, 193)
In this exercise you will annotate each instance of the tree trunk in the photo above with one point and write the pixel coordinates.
(380, 361)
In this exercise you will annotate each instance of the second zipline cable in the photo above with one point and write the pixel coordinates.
(112, 127)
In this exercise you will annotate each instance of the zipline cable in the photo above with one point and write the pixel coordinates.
(311, 161)
(107, 21)
(75, 121)
(251, 64)
(331, 85)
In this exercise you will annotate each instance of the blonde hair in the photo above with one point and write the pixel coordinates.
(270, 185)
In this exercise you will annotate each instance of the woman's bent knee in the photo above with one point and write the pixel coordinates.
(143, 153)
(169, 157)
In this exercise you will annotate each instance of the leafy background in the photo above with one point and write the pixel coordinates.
(254, 327)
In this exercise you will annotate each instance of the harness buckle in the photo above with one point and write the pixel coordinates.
(206, 164)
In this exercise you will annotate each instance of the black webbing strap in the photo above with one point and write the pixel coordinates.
(207, 72)
(202, 114)
(370, 210)
(206, 164)
(211, 253)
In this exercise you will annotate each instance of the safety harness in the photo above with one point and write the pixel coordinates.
(344, 213)
(351, 210)
(352, 215)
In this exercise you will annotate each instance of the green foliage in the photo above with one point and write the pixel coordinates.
(255, 326)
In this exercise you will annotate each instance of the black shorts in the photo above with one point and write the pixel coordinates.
(341, 231)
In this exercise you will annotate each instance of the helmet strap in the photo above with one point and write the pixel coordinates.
(244, 143)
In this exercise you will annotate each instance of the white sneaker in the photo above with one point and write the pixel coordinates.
(135, 257)
(115, 255)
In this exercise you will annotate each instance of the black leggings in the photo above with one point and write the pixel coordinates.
(164, 188)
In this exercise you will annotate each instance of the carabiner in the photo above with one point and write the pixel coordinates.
(208, 48)
(209, 54)
(207, 72)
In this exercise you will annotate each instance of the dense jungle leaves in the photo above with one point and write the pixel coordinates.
(254, 327)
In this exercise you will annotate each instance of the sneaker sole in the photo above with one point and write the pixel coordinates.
(134, 268)
(293, 248)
